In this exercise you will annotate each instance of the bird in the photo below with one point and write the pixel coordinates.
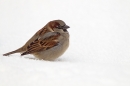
(48, 43)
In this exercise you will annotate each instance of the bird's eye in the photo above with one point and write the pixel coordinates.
(58, 26)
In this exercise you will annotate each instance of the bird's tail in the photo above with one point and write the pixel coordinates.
(12, 52)
(25, 53)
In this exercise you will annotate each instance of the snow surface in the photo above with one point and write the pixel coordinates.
(99, 52)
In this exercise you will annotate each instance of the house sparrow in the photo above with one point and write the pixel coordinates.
(48, 43)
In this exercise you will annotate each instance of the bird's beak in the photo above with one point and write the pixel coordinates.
(66, 27)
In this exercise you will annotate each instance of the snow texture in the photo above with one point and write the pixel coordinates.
(99, 52)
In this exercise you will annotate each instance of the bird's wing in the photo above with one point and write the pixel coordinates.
(46, 42)
(39, 33)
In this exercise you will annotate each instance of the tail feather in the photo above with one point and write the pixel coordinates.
(25, 53)
(12, 52)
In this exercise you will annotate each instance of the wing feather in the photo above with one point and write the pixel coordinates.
(44, 43)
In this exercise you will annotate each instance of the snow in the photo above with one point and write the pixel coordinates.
(99, 52)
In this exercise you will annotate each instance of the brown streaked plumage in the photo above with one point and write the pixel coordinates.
(48, 43)
(42, 43)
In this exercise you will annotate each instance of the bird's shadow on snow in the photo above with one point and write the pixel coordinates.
(30, 57)
(56, 60)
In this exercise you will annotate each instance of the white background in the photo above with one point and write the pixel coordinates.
(99, 52)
